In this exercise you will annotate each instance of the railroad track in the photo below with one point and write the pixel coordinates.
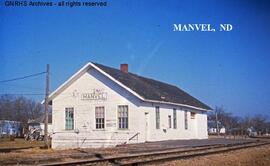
(161, 156)
(261, 137)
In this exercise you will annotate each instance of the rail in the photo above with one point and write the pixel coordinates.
(166, 155)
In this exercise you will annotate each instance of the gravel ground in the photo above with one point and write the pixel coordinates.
(36, 155)
(257, 156)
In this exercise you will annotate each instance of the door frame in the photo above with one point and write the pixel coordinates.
(147, 129)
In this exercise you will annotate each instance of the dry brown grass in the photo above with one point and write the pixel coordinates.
(257, 156)
(32, 155)
(5, 143)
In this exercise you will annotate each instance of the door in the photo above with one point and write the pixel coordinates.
(146, 126)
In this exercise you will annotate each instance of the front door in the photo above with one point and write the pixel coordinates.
(146, 126)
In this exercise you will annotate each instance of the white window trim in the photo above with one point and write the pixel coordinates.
(174, 118)
(74, 126)
(186, 120)
(122, 129)
(157, 107)
(101, 129)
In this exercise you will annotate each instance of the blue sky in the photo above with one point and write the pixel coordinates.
(220, 68)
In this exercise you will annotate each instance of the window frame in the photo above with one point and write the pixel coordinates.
(157, 117)
(192, 115)
(174, 118)
(123, 123)
(101, 124)
(186, 119)
(69, 126)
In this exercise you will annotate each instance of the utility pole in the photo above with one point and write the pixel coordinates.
(217, 122)
(47, 106)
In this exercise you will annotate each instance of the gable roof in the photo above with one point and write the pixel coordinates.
(145, 89)
(151, 89)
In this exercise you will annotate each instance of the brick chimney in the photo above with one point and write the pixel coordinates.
(124, 68)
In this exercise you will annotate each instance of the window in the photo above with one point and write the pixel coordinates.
(69, 118)
(174, 119)
(186, 120)
(100, 116)
(123, 117)
(192, 115)
(170, 121)
(157, 118)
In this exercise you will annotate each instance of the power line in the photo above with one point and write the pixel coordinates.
(24, 77)
(21, 87)
(22, 94)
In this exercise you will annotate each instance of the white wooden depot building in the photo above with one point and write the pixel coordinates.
(100, 106)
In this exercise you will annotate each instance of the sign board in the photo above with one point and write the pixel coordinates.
(110, 123)
(96, 94)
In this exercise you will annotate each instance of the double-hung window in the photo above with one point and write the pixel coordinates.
(100, 117)
(123, 117)
(69, 118)
(157, 118)
(186, 120)
(174, 119)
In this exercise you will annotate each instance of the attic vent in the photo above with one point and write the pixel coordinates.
(162, 97)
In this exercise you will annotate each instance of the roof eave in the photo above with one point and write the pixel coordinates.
(177, 104)
(57, 91)
(84, 68)
(118, 82)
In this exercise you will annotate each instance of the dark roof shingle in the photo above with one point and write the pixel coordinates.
(151, 89)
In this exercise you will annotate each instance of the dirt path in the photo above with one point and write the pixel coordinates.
(258, 156)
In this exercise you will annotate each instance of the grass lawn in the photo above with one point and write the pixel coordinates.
(5, 143)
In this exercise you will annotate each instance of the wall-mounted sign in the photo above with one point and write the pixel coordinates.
(96, 94)
(110, 123)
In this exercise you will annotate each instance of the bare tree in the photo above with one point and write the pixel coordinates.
(231, 122)
(259, 122)
(19, 108)
(222, 118)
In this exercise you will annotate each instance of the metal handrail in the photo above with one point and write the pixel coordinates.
(134, 136)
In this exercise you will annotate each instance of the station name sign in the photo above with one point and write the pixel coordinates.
(96, 94)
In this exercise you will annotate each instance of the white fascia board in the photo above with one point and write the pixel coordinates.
(119, 83)
(58, 90)
(83, 69)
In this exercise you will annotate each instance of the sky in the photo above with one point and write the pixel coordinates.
(229, 69)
